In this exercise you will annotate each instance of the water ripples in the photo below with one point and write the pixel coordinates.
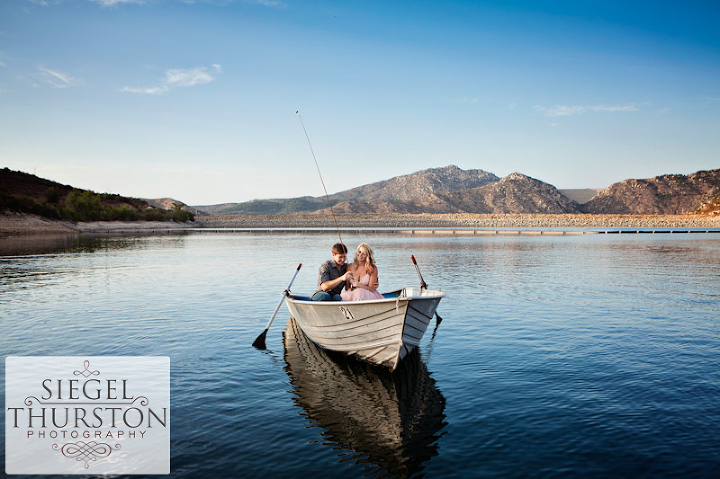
(557, 356)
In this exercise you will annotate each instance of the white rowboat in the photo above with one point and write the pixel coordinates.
(380, 331)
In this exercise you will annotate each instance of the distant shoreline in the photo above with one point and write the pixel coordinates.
(15, 224)
(19, 224)
(464, 221)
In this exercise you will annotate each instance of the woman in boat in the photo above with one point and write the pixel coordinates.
(363, 281)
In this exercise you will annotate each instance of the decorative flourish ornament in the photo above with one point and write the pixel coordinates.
(86, 451)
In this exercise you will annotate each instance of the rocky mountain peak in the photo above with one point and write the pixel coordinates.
(515, 176)
(515, 193)
(666, 194)
(419, 184)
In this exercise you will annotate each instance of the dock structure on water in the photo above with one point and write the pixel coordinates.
(429, 232)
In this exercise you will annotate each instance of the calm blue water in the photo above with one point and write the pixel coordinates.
(591, 356)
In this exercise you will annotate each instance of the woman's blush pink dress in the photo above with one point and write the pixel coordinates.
(361, 294)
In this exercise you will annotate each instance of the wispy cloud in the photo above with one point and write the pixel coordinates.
(178, 77)
(564, 110)
(621, 108)
(56, 78)
(152, 90)
(267, 3)
(196, 76)
(112, 3)
(264, 3)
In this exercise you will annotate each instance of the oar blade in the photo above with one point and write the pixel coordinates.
(259, 343)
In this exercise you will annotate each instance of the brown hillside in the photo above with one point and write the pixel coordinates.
(710, 208)
(19, 184)
(667, 194)
(516, 193)
(419, 184)
(25, 193)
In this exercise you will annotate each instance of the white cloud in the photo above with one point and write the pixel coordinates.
(564, 110)
(56, 78)
(264, 3)
(178, 77)
(155, 90)
(111, 3)
(196, 76)
(267, 3)
(613, 108)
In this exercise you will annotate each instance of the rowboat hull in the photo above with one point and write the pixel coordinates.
(381, 331)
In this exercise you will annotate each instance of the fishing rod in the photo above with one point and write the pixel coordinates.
(327, 197)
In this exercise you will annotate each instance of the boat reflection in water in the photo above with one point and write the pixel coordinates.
(390, 420)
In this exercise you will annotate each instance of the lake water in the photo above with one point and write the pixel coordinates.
(584, 356)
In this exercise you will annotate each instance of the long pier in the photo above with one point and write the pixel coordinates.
(417, 231)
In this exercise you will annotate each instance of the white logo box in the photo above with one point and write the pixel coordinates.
(87, 415)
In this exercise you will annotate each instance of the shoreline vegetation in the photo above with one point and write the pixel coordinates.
(12, 224)
(24, 193)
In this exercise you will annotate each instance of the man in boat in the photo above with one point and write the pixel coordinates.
(332, 275)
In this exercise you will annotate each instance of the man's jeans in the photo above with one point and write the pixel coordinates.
(323, 296)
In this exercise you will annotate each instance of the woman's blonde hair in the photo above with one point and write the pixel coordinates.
(370, 260)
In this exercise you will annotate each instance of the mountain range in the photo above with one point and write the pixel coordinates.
(453, 190)
(436, 190)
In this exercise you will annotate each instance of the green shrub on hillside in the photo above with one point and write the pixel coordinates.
(53, 195)
(180, 215)
(26, 204)
(83, 205)
(123, 213)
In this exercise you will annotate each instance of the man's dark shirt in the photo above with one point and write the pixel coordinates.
(329, 271)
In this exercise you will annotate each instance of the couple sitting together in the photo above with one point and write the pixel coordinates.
(360, 278)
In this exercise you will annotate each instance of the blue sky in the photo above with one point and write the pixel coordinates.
(196, 100)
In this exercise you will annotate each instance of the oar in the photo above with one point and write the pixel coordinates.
(423, 285)
(260, 341)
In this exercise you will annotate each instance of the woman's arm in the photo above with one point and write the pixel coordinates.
(373, 283)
